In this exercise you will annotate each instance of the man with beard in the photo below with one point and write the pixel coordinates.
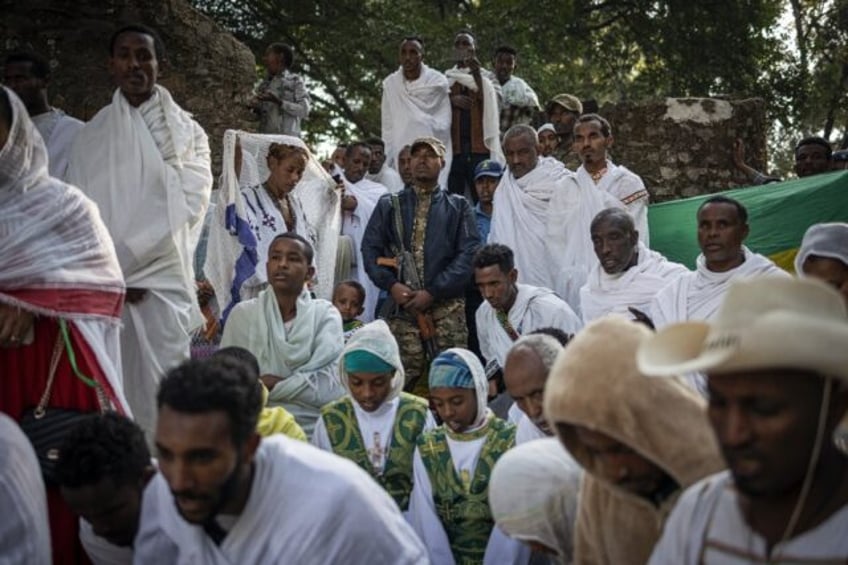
(359, 199)
(562, 112)
(544, 217)
(512, 309)
(146, 164)
(592, 139)
(439, 231)
(777, 370)
(379, 170)
(223, 495)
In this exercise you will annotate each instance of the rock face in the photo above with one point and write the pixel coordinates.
(209, 73)
(683, 147)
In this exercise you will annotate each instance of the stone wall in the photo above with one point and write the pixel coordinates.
(210, 74)
(683, 146)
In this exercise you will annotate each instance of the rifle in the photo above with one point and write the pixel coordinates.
(407, 273)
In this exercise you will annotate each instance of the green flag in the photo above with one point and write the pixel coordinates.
(778, 215)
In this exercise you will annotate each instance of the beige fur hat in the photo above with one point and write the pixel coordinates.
(763, 323)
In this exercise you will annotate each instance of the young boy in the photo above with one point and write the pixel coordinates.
(349, 298)
(453, 463)
(375, 425)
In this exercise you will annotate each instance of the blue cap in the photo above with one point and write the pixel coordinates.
(488, 168)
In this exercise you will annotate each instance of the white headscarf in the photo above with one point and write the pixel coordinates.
(375, 338)
(533, 495)
(823, 240)
(23, 159)
(478, 376)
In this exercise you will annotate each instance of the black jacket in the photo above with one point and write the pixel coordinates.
(450, 242)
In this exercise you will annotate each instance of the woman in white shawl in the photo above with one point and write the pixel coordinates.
(61, 294)
(824, 255)
(271, 184)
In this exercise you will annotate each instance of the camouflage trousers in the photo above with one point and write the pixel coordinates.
(451, 331)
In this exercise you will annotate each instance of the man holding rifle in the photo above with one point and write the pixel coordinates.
(418, 246)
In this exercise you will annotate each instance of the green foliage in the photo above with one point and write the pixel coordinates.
(608, 50)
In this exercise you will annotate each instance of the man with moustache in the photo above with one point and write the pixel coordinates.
(146, 164)
(592, 140)
(777, 370)
(225, 495)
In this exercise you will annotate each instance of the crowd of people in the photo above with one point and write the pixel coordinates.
(452, 343)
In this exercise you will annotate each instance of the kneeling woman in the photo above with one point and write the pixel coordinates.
(375, 424)
(453, 464)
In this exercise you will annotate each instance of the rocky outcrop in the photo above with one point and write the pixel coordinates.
(209, 73)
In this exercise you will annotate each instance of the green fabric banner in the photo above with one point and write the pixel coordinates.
(778, 214)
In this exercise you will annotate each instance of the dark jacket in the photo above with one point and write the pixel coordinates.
(450, 242)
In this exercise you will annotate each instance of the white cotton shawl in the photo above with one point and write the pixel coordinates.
(697, 295)
(58, 131)
(388, 177)
(413, 109)
(520, 219)
(233, 254)
(52, 239)
(568, 235)
(516, 92)
(152, 200)
(624, 185)
(533, 495)
(534, 308)
(367, 195)
(636, 287)
(304, 356)
(305, 506)
(491, 109)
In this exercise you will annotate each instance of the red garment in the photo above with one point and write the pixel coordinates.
(23, 378)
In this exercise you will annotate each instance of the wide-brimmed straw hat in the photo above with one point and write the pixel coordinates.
(763, 323)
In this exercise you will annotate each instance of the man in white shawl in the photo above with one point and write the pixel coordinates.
(28, 75)
(270, 184)
(533, 495)
(722, 229)
(296, 339)
(627, 275)
(358, 203)
(475, 98)
(520, 103)
(261, 500)
(379, 170)
(544, 217)
(145, 162)
(511, 310)
(415, 103)
(592, 138)
(526, 370)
